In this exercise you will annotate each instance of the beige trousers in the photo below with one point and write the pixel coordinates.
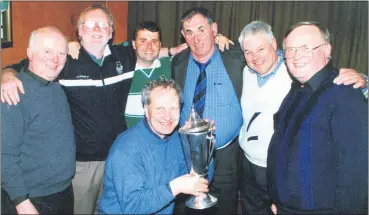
(88, 186)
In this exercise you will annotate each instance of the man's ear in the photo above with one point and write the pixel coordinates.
(328, 50)
(134, 44)
(182, 32)
(146, 110)
(214, 27)
(29, 53)
(274, 44)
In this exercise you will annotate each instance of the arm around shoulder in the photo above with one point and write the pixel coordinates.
(10, 84)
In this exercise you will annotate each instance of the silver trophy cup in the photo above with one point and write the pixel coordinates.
(200, 142)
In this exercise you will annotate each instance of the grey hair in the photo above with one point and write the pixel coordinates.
(255, 27)
(93, 8)
(161, 82)
(323, 30)
(33, 38)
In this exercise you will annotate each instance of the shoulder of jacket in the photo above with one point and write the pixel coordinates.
(184, 55)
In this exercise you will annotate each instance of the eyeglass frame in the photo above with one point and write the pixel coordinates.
(96, 22)
(310, 50)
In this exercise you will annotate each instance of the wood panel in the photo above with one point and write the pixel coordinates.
(28, 16)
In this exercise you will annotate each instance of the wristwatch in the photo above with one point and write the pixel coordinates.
(169, 54)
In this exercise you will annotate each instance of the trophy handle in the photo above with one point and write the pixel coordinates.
(212, 145)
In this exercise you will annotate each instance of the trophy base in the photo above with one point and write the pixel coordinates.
(206, 202)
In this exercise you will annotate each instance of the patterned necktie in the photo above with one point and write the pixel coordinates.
(200, 90)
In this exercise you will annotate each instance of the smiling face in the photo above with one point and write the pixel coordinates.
(303, 66)
(200, 37)
(163, 111)
(260, 52)
(93, 35)
(47, 53)
(147, 45)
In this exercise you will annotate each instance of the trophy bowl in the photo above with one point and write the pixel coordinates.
(198, 142)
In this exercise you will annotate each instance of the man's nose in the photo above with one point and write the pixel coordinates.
(149, 45)
(167, 116)
(55, 58)
(96, 27)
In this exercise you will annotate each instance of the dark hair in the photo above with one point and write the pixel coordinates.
(147, 25)
(197, 10)
(323, 30)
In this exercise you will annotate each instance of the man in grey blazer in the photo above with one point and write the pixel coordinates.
(224, 83)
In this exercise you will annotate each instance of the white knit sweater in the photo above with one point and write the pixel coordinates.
(266, 100)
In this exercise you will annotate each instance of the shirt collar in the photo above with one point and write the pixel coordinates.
(155, 64)
(274, 71)
(35, 77)
(211, 59)
(315, 81)
(107, 52)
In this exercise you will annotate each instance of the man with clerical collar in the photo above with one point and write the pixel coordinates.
(317, 159)
(38, 147)
(146, 168)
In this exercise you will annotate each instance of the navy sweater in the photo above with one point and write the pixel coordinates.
(317, 159)
(138, 170)
(37, 140)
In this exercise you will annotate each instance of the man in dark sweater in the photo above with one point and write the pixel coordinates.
(317, 159)
(38, 148)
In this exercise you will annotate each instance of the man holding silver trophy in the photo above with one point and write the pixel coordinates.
(146, 167)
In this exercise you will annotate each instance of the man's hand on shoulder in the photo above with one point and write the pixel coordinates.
(10, 85)
(73, 49)
(178, 49)
(350, 76)
(223, 42)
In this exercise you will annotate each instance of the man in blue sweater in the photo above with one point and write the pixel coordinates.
(146, 167)
(317, 159)
(37, 139)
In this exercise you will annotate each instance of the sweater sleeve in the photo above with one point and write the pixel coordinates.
(11, 140)
(350, 133)
(128, 175)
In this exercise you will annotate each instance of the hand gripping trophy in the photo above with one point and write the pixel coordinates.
(199, 140)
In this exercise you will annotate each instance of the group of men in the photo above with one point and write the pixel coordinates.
(305, 146)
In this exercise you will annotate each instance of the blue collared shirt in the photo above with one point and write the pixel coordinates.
(221, 104)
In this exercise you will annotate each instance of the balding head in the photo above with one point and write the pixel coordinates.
(47, 51)
(307, 49)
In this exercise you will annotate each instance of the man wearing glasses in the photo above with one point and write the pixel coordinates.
(317, 159)
(266, 82)
(96, 86)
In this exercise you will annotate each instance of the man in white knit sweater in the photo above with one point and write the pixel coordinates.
(266, 82)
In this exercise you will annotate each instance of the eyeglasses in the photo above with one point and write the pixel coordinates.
(92, 23)
(304, 50)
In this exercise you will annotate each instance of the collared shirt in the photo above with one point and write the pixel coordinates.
(221, 103)
(36, 77)
(100, 61)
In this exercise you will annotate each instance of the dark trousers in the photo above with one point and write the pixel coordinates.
(254, 194)
(225, 184)
(57, 203)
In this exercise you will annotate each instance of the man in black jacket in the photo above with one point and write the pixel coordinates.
(96, 86)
